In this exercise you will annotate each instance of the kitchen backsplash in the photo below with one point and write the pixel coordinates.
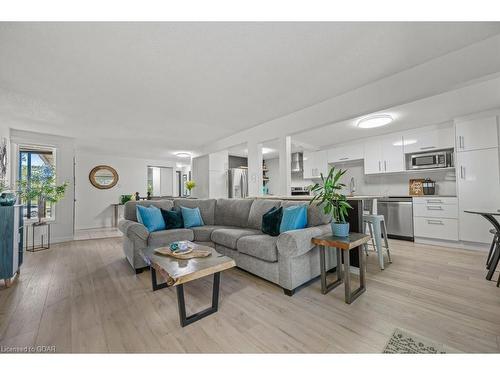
(395, 184)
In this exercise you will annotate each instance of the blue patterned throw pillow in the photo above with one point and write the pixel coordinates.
(294, 217)
(150, 217)
(192, 217)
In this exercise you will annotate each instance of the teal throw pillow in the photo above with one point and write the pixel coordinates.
(192, 217)
(150, 217)
(294, 217)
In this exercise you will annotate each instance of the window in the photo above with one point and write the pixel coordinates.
(33, 160)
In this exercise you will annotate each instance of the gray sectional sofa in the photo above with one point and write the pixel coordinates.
(233, 228)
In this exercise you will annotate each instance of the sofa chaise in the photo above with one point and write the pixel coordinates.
(233, 228)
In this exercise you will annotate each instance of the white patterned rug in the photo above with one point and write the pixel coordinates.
(402, 342)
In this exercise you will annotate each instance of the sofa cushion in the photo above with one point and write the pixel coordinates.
(258, 209)
(229, 237)
(232, 212)
(206, 206)
(315, 214)
(130, 207)
(166, 237)
(260, 246)
(204, 233)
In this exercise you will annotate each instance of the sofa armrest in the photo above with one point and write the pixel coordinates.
(133, 229)
(298, 242)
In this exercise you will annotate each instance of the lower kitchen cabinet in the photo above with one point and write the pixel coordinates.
(436, 228)
(436, 218)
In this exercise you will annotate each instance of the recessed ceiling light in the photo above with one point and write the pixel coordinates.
(406, 142)
(183, 154)
(374, 121)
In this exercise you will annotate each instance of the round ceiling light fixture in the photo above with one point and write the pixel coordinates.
(374, 121)
(183, 154)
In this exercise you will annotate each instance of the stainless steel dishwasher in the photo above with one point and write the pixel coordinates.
(398, 214)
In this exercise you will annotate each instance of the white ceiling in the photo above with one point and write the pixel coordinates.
(158, 88)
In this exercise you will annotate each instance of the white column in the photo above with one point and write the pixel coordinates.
(285, 152)
(254, 169)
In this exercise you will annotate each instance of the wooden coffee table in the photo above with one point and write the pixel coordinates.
(177, 272)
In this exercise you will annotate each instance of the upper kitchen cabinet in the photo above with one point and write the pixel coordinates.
(315, 163)
(478, 134)
(428, 140)
(384, 154)
(344, 153)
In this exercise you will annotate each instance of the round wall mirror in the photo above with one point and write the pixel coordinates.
(103, 177)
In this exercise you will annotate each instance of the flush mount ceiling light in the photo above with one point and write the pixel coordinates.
(374, 121)
(183, 154)
(406, 142)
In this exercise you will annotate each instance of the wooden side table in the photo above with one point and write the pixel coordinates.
(346, 244)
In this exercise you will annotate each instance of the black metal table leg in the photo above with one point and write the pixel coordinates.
(186, 320)
(325, 288)
(154, 282)
(351, 296)
(495, 256)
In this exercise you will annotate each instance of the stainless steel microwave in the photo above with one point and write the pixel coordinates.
(429, 160)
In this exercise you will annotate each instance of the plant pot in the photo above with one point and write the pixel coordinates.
(340, 229)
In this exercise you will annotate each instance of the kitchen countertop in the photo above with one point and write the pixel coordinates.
(308, 197)
(354, 197)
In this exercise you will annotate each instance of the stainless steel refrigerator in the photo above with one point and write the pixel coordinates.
(238, 183)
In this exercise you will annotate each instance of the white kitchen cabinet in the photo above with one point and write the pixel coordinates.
(476, 134)
(384, 155)
(342, 154)
(478, 184)
(315, 163)
(428, 140)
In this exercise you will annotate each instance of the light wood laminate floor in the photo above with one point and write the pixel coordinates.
(82, 296)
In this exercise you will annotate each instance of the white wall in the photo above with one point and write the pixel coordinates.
(210, 175)
(93, 208)
(5, 135)
(200, 175)
(62, 227)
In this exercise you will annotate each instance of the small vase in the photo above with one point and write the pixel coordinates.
(340, 229)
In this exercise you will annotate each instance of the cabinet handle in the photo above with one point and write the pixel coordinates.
(463, 142)
(435, 222)
(434, 201)
(379, 168)
(344, 159)
(385, 165)
(427, 147)
(462, 172)
(435, 208)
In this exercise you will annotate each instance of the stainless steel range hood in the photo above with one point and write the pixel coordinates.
(297, 162)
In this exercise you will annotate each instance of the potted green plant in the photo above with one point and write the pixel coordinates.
(42, 187)
(327, 195)
(190, 185)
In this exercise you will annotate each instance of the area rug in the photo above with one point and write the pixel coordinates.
(402, 342)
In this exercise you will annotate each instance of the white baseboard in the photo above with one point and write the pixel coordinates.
(458, 244)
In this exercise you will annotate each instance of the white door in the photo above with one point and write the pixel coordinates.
(476, 134)
(321, 163)
(373, 157)
(478, 188)
(393, 159)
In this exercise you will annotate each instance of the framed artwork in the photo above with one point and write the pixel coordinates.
(416, 186)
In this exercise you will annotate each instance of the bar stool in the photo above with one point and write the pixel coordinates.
(377, 227)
